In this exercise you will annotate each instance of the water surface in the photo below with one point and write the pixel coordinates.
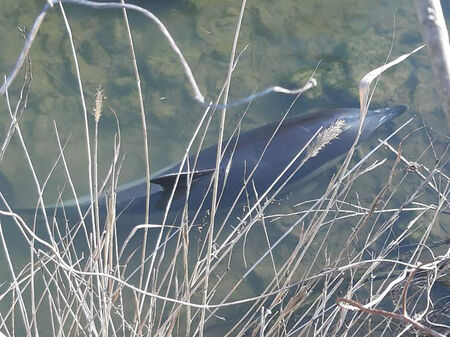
(282, 42)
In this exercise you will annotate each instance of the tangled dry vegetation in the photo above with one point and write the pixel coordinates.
(389, 275)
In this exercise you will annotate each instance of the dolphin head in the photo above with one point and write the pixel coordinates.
(375, 118)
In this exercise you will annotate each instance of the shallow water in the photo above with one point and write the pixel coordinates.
(284, 42)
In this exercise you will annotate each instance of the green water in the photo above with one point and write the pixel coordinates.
(285, 40)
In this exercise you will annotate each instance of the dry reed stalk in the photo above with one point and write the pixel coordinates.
(211, 226)
(146, 157)
(85, 112)
(97, 113)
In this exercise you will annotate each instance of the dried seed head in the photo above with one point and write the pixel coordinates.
(99, 97)
(325, 137)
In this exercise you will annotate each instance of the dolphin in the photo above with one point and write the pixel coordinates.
(250, 163)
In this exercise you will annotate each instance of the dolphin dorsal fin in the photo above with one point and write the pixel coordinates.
(167, 181)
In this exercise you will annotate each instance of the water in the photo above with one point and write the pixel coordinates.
(284, 41)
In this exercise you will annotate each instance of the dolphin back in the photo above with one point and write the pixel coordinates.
(251, 163)
(254, 160)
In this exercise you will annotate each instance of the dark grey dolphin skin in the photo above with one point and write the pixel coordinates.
(240, 157)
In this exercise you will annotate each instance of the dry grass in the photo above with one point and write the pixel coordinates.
(325, 137)
(355, 267)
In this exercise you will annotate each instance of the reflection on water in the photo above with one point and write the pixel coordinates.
(283, 42)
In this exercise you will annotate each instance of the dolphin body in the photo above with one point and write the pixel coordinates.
(265, 150)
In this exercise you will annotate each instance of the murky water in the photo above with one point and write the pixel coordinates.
(282, 42)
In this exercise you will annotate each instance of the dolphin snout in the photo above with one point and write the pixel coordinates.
(397, 110)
